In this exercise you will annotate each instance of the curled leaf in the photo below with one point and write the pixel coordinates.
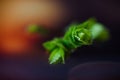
(57, 56)
(57, 42)
(82, 36)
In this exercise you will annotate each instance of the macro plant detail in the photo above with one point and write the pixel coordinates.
(77, 35)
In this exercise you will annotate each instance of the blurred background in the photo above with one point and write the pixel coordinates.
(22, 56)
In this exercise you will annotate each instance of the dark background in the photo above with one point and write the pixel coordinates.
(106, 12)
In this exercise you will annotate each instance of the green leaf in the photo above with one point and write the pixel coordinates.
(77, 36)
(69, 30)
(82, 36)
(57, 42)
(49, 46)
(68, 38)
(57, 56)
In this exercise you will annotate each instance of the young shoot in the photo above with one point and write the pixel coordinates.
(77, 35)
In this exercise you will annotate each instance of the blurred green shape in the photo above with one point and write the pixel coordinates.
(100, 32)
(33, 28)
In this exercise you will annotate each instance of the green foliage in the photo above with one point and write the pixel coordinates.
(57, 55)
(76, 36)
